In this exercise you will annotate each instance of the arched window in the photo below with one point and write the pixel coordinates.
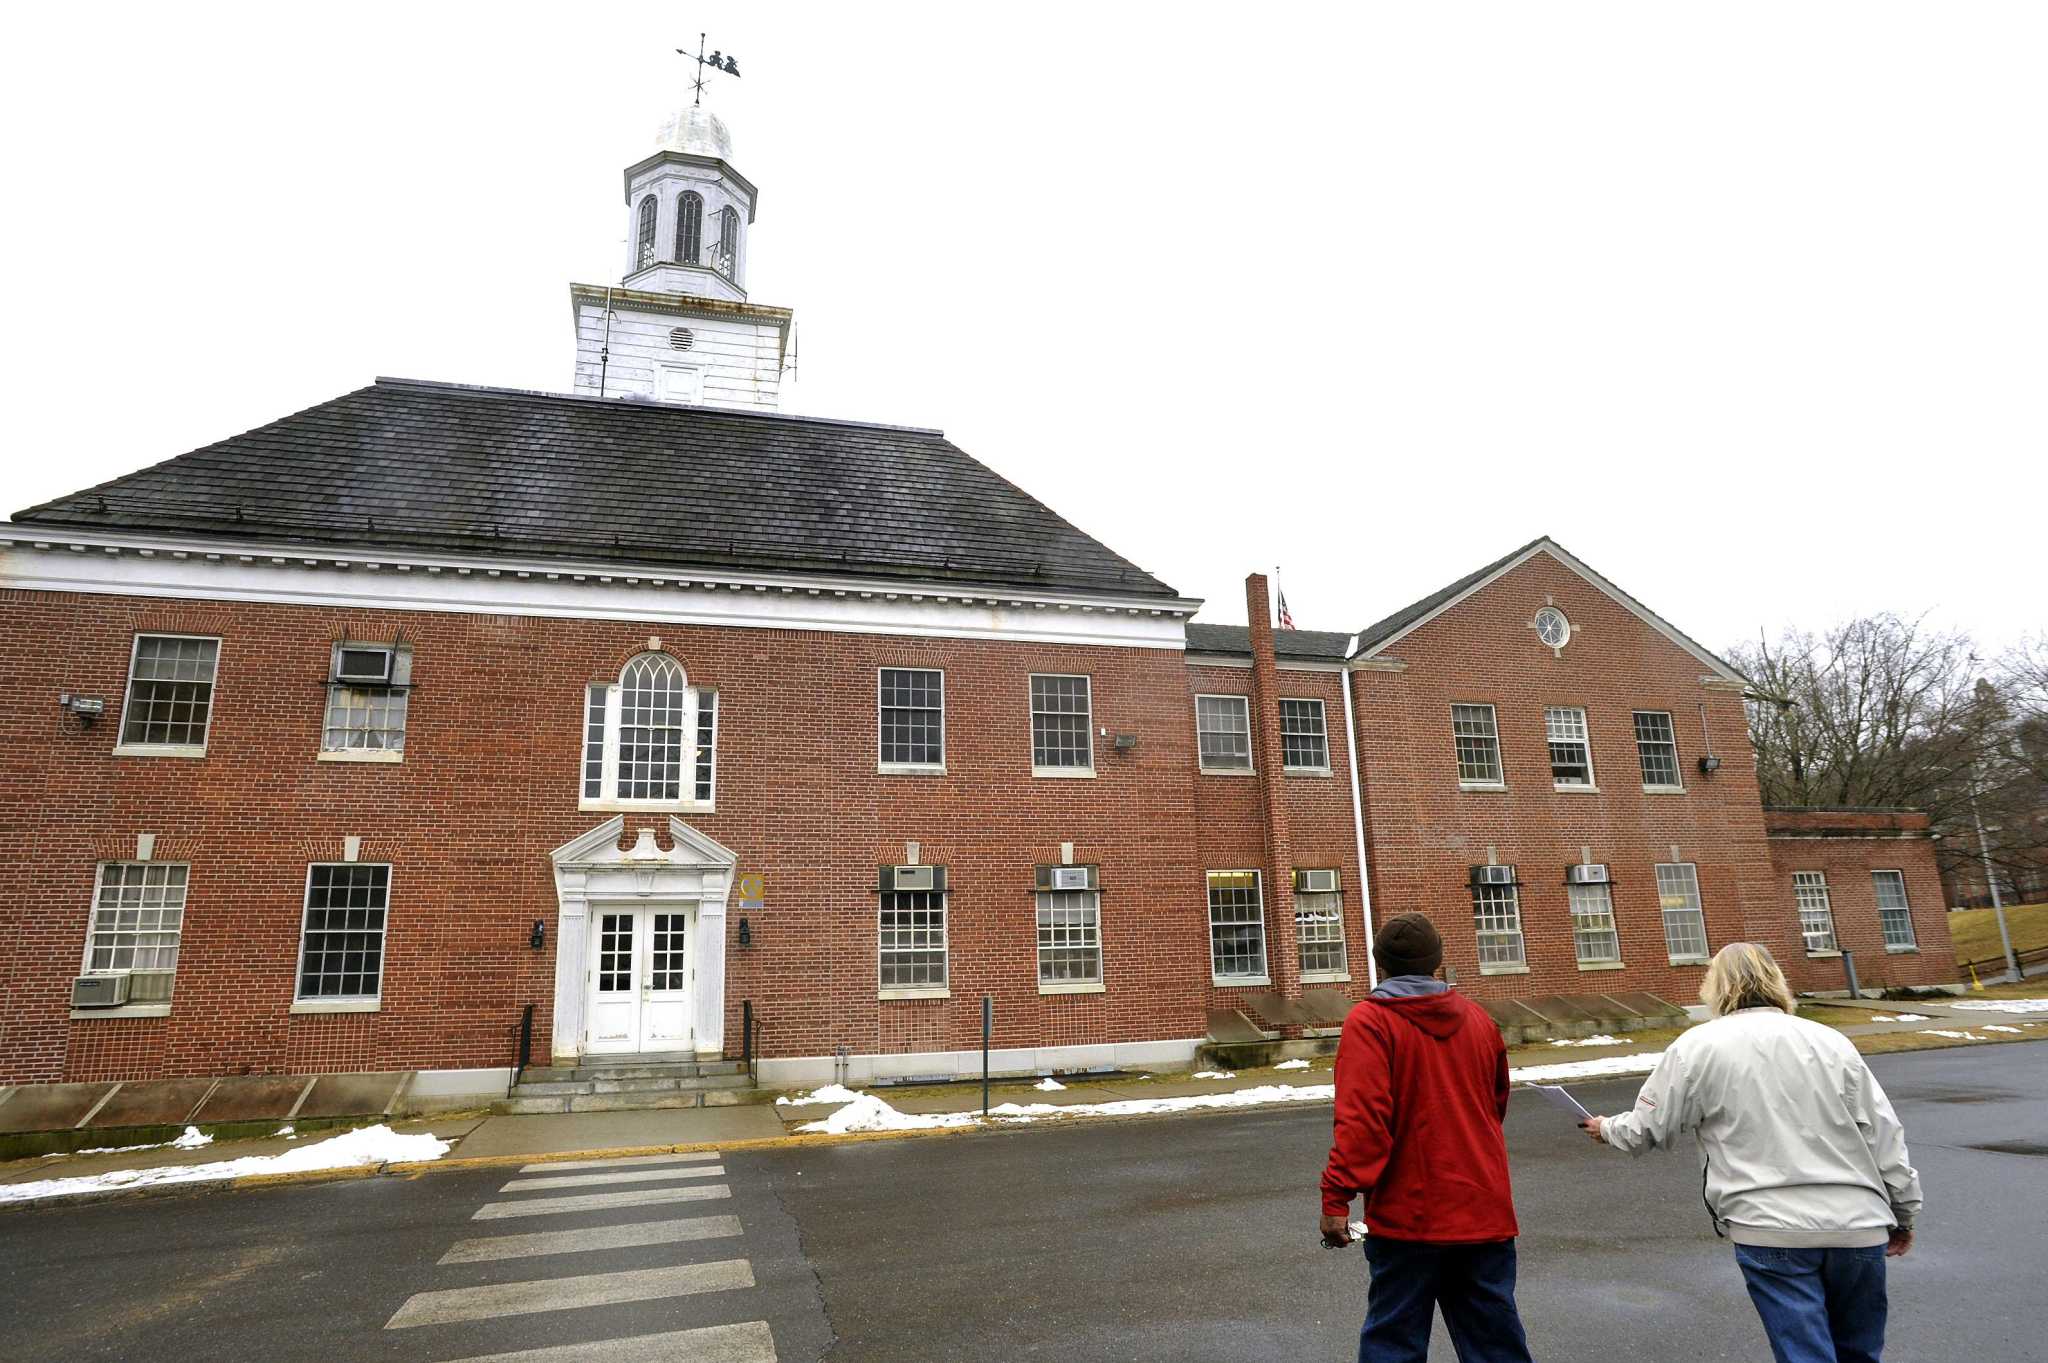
(643, 250)
(689, 227)
(649, 738)
(728, 241)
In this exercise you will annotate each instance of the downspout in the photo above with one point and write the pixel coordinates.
(1372, 966)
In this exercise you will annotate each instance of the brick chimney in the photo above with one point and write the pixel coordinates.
(1283, 950)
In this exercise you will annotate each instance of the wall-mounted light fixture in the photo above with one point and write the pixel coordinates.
(1126, 742)
(746, 934)
(85, 708)
(539, 936)
(1709, 765)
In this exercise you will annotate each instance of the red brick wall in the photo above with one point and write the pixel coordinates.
(1846, 846)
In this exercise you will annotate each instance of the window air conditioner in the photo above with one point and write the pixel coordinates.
(99, 991)
(364, 666)
(1084, 877)
(899, 878)
(1315, 882)
(1594, 873)
(1493, 875)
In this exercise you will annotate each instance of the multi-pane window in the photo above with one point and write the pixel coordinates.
(1223, 733)
(1816, 915)
(913, 939)
(727, 261)
(650, 738)
(668, 951)
(689, 227)
(1237, 926)
(1478, 743)
(1319, 927)
(643, 244)
(1894, 914)
(170, 691)
(138, 913)
(1571, 750)
(1593, 932)
(1657, 745)
(341, 955)
(1497, 920)
(365, 715)
(913, 717)
(1304, 740)
(1685, 926)
(615, 953)
(1060, 735)
(1069, 937)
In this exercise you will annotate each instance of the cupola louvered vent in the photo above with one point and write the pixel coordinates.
(681, 338)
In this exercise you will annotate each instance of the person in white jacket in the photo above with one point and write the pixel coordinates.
(1806, 1165)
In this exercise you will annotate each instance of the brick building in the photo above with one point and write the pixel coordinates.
(335, 745)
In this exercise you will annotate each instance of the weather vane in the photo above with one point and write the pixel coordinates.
(717, 61)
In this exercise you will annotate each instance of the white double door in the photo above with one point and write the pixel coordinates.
(642, 978)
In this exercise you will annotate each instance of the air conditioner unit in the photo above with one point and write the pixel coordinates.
(1591, 873)
(1315, 882)
(900, 878)
(363, 666)
(1084, 877)
(99, 991)
(1493, 875)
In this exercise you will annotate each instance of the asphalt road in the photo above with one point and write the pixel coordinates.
(1183, 1238)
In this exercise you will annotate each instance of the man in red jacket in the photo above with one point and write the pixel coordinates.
(1422, 1086)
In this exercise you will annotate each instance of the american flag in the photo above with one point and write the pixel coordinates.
(1286, 615)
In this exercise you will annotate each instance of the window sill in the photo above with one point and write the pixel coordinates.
(1483, 785)
(909, 769)
(1688, 960)
(888, 994)
(337, 1005)
(1573, 788)
(1074, 987)
(1902, 951)
(1240, 981)
(1227, 771)
(1602, 965)
(1663, 790)
(159, 750)
(126, 1010)
(361, 755)
(1823, 955)
(1305, 771)
(1342, 977)
(1065, 773)
(1504, 969)
(646, 807)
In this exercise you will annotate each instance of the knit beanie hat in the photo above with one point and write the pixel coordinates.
(1408, 944)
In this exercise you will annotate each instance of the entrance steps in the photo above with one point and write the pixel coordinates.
(633, 1083)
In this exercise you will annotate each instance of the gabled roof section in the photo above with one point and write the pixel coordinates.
(1378, 637)
(444, 467)
(1304, 645)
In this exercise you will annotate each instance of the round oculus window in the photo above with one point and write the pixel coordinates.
(681, 338)
(1551, 627)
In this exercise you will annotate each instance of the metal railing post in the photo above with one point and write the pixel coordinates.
(747, 1036)
(988, 1018)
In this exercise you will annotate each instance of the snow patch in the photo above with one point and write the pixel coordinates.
(1212, 1074)
(192, 1139)
(1602, 1040)
(1900, 1017)
(2003, 1005)
(288, 1131)
(868, 1113)
(831, 1093)
(1138, 1107)
(1999, 1027)
(355, 1149)
(1953, 1036)
(1585, 1069)
(1292, 1065)
(1050, 1085)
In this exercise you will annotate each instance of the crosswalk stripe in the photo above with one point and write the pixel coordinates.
(748, 1343)
(592, 1202)
(622, 1162)
(628, 1236)
(534, 1185)
(563, 1294)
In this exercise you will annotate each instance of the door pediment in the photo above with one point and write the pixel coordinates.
(688, 849)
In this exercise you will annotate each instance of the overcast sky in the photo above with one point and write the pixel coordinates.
(1744, 303)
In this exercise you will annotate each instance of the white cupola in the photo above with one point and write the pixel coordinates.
(688, 211)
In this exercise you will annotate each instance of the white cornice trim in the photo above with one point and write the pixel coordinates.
(39, 559)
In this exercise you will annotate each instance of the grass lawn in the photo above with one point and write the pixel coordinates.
(2035, 988)
(1975, 931)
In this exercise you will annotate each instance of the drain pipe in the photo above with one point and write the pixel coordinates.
(1372, 966)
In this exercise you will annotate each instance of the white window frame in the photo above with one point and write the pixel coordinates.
(1499, 780)
(401, 682)
(1811, 881)
(1265, 976)
(1677, 763)
(1695, 905)
(99, 881)
(1586, 923)
(1322, 719)
(1244, 708)
(607, 798)
(1904, 909)
(1584, 740)
(888, 768)
(341, 1003)
(1513, 896)
(942, 990)
(1041, 904)
(125, 749)
(1327, 905)
(1087, 727)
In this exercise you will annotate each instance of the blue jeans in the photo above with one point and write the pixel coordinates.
(1818, 1305)
(1474, 1286)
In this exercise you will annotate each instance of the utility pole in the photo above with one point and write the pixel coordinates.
(2012, 962)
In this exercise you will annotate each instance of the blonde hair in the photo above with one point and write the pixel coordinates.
(1745, 975)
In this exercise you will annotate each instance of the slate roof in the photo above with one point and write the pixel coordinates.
(1382, 630)
(1309, 645)
(501, 472)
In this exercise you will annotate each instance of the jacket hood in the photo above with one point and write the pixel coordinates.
(1437, 1015)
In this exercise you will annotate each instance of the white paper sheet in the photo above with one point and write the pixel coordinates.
(1558, 1095)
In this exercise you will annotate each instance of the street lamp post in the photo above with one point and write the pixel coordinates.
(2012, 962)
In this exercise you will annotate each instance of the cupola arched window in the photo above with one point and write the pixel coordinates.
(689, 227)
(728, 241)
(643, 250)
(650, 739)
